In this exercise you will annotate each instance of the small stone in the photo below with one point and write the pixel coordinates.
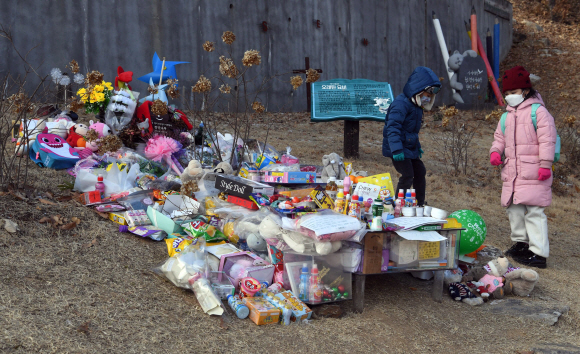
(545, 55)
(532, 26)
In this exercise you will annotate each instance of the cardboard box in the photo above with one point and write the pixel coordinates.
(300, 311)
(289, 177)
(243, 202)
(373, 260)
(119, 218)
(261, 311)
(173, 204)
(321, 198)
(299, 193)
(241, 187)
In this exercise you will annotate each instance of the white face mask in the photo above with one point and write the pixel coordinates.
(514, 100)
(425, 102)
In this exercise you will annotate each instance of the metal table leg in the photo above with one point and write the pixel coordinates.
(438, 285)
(358, 295)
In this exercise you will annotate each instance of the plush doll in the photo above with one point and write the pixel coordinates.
(497, 267)
(521, 281)
(479, 288)
(193, 172)
(239, 269)
(76, 135)
(101, 128)
(461, 292)
(332, 167)
(454, 62)
(224, 168)
(60, 125)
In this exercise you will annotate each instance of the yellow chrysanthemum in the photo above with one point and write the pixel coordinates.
(99, 88)
(108, 85)
(100, 97)
(81, 91)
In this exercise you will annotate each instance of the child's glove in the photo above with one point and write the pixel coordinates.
(421, 152)
(495, 159)
(544, 174)
(399, 157)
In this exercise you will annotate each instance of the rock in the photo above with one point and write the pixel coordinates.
(558, 52)
(488, 253)
(532, 26)
(545, 55)
(332, 311)
(10, 226)
(547, 312)
(542, 42)
(550, 348)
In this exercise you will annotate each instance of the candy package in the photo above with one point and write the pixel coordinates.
(144, 231)
(178, 244)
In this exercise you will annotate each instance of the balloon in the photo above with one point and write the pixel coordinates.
(475, 230)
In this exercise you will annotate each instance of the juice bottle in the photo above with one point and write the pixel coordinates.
(347, 200)
(414, 197)
(339, 203)
(346, 185)
(315, 290)
(408, 198)
(331, 188)
(354, 207)
(399, 203)
(100, 186)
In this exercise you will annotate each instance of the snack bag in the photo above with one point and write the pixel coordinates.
(178, 244)
(200, 227)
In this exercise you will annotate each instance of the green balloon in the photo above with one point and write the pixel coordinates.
(475, 230)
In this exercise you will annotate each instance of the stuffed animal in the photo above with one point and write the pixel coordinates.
(101, 128)
(76, 135)
(193, 172)
(224, 168)
(239, 269)
(518, 281)
(60, 125)
(461, 292)
(454, 62)
(123, 78)
(479, 288)
(332, 166)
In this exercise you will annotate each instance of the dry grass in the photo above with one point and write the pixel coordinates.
(90, 289)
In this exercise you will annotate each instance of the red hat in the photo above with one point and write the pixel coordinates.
(516, 78)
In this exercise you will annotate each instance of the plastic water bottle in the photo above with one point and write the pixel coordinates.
(286, 314)
(304, 280)
(100, 186)
(241, 310)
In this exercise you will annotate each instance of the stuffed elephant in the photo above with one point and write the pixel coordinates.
(332, 166)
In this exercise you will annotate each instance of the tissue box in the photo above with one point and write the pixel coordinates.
(241, 187)
(259, 270)
(261, 311)
(173, 204)
(300, 311)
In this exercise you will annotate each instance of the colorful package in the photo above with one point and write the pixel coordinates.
(145, 231)
(300, 311)
(261, 311)
(249, 287)
(201, 228)
(176, 245)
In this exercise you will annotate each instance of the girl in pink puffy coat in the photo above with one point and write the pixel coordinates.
(526, 168)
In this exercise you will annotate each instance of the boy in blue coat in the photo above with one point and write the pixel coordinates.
(402, 125)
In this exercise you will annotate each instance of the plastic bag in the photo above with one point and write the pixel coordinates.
(288, 159)
(328, 225)
(201, 227)
(276, 167)
(140, 200)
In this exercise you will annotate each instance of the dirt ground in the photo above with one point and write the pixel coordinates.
(90, 289)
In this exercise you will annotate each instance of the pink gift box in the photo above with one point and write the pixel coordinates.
(260, 269)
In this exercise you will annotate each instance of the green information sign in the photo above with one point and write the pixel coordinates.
(357, 99)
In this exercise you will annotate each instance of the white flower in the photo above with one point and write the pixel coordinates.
(56, 75)
(79, 78)
(64, 80)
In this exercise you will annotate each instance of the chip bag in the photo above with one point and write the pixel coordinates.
(201, 227)
(178, 244)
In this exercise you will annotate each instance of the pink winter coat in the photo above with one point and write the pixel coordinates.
(526, 151)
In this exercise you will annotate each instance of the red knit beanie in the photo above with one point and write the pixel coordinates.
(516, 78)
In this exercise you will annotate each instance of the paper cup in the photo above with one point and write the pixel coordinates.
(249, 287)
(419, 212)
(427, 210)
(439, 213)
(408, 211)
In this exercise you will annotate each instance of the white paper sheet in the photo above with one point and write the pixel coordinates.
(413, 235)
(327, 224)
(412, 222)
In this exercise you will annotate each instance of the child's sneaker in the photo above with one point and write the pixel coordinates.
(532, 261)
(518, 249)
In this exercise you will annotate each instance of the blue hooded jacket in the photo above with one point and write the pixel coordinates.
(404, 118)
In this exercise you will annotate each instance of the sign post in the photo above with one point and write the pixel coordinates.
(351, 101)
(473, 75)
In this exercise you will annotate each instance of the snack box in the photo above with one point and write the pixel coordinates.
(261, 311)
(300, 311)
(241, 187)
(90, 198)
(322, 199)
(118, 218)
(243, 202)
(289, 177)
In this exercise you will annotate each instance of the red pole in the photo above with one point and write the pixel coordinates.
(490, 75)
